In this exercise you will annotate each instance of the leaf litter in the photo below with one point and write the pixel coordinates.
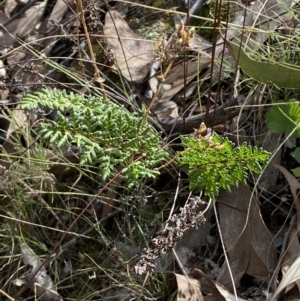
(248, 241)
(132, 54)
(38, 279)
(249, 244)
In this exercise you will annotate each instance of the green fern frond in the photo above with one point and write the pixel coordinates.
(215, 163)
(106, 133)
(108, 136)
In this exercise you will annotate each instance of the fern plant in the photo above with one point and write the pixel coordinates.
(214, 162)
(107, 135)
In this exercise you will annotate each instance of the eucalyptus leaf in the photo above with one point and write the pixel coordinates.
(133, 55)
(280, 74)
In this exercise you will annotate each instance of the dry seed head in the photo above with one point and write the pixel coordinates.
(202, 131)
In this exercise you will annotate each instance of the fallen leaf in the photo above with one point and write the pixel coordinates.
(247, 240)
(292, 250)
(177, 74)
(59, 9)
(183, 256)
(294, 186)
(182, 70)
(18, 120)
(10, 5)
(266, 72)
(269, 142)
(213, 290)
(38, 280)
(187, 288)
(292, 275)
(132, 54)
(165, 109)
(17, 60)
(3, 17)
(268, 16)
(22, 26)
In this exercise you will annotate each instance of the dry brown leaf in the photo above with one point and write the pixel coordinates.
(14, 59)
(269, 142)
(180, 71)
(133, 55)
(266, 14)
(176, 87)
(292, 276)
(177, 74)
(48, 29)
(15, 122)
(3, 17)
(292, 250)
(188, 289)
(59, 9)
(294, 186)
(247, 240)
(10, 5)
(18, 120)
(165, 109)
(38, 279)
(22, 26)
(293, 245)
(188, 91)
(7, 41)
(263, 14)
(214, 291)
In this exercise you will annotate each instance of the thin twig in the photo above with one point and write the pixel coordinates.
(97, 76)
(175, 198)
